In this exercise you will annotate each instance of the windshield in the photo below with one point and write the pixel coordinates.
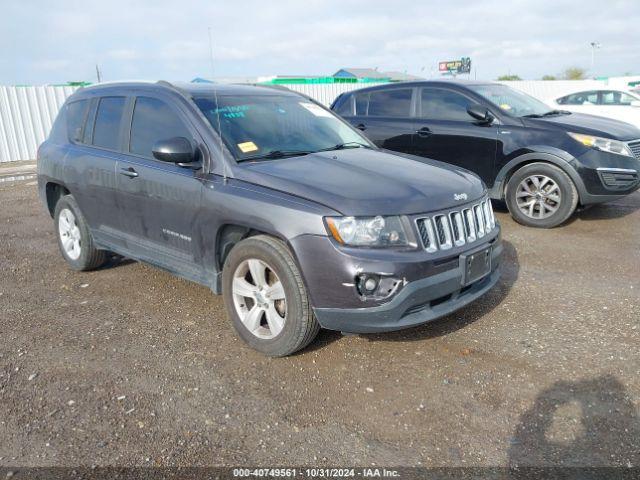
(274, 126)
(511, 100)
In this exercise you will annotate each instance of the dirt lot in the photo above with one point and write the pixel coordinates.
(132, 366)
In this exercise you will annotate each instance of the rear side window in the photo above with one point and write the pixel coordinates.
(442, 104)
(76, 114)
(106, 131)
(153, 120)
(581, 98)
(390, 103)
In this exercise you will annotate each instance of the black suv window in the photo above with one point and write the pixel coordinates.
(362, 102)
(443, 104)
(153, 120)
(106, 131)
(76, 112)
(579, 98)
(345, 107)
(390, 103)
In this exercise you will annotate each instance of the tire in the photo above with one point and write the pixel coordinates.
(557, 199)
(86, 256)
(291, 332)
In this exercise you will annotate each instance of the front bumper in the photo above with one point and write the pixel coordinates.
(432, 289)
(607, 176)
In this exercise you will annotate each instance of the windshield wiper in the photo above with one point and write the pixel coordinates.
(556, 112)
(548, 114)
(276, 154)
(342, 146)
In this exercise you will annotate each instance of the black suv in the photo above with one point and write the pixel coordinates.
(290, 213)
(542, 162)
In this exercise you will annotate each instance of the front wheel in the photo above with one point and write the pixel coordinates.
(266, 298)
(541, 195)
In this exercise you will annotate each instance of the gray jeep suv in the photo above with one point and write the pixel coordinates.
(272, 201)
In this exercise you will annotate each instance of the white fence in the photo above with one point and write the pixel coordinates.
(326, 93)
(550, 89)
(27, 113)
(26, 116)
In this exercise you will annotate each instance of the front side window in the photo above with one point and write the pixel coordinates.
(390, 103)
(106, 131)
(580, 98)
(76, 113)
(345, 107)
(153, 120)
(613, 97)
(443, 104)
(253, 126)
(511, 100)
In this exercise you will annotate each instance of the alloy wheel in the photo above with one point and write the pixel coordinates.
(70, 236)
(538, 197)
(259, 298)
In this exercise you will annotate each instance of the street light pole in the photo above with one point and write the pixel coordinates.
(594, 45)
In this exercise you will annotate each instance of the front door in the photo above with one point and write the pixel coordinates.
(581, 102)
(445, 131)
(618, 105)
(160, 201)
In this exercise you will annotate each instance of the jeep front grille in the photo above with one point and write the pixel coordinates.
(442, 231)
(635, 148)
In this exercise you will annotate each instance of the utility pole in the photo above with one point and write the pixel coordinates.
(98, 73)
(594, 45)
(211, 53)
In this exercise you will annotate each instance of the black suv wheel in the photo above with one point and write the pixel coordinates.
(266, 298)
(541, 195)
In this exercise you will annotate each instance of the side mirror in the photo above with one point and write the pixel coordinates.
(635, 103)
(174, 150)
(480, 113)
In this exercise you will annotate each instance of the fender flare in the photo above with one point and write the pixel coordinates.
(560, 159)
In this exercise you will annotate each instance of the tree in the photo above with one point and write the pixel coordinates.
(574, 73)
(549, 77)
(507, 78)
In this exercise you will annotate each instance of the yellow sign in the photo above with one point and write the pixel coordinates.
(247, 147)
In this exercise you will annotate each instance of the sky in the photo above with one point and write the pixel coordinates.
(58, 41)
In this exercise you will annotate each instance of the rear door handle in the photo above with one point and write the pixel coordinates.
(424, 132)
(361, 126)
(129, 172)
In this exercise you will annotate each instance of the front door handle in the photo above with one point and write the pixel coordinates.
(424, 132)
(129, 172)
(361, 126)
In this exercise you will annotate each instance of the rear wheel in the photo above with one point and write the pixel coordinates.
(74, 237)
(541, 195)
(266, 298)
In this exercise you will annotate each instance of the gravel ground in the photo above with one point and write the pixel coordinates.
(130, 366)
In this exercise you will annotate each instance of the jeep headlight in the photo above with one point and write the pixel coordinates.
(368, 231)
(604, 144)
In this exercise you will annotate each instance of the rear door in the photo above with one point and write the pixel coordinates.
(160, 201)
(385, 117)
(95, 131)
(446, 132)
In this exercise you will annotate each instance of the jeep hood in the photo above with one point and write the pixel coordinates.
(588, 124)
(363, 182)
